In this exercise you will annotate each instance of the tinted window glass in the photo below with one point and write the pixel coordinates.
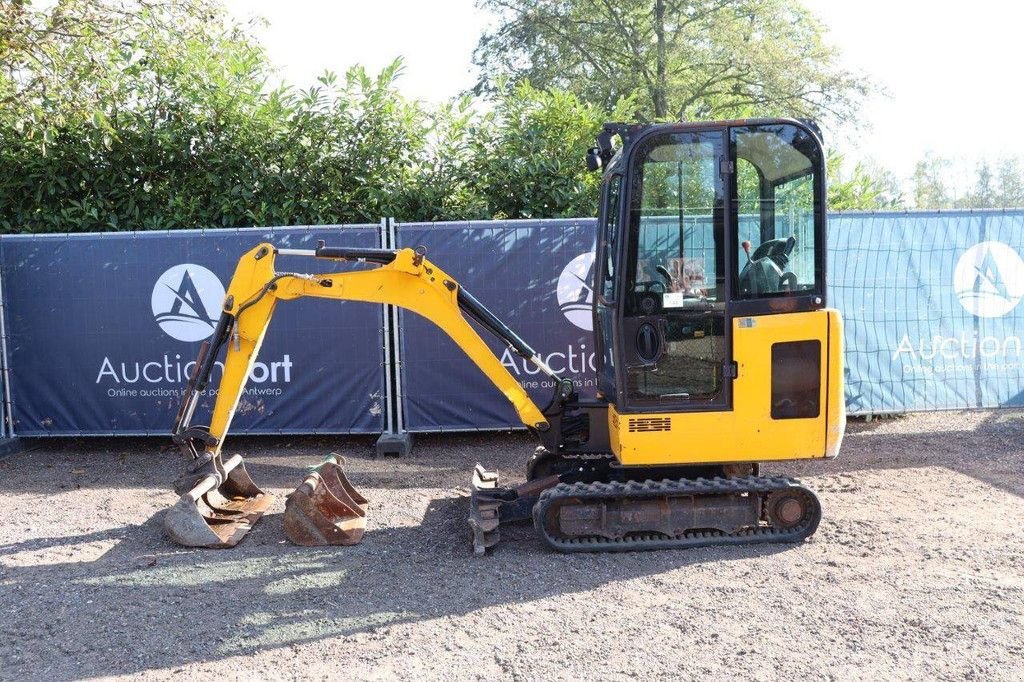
(777, 212)
(611, 237)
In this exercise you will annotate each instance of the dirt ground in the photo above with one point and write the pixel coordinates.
(917, 571)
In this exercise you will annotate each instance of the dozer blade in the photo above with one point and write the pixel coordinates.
(209, 515)
(483, 509)
(326, 509)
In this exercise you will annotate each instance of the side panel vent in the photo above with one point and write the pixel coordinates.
(642, 424)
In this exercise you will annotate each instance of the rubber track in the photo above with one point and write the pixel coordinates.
(762, 486)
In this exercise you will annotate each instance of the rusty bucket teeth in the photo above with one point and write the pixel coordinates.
(483, 510)
(217, 516)
(326, 509)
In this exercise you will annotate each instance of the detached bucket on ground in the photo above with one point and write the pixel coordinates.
(212, 515)
(326, 509)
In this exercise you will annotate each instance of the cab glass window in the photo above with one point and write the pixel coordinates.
(611, 236)
(673, 333)
(677, 220)
(776, 211)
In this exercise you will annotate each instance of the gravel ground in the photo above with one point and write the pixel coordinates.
(916, 571)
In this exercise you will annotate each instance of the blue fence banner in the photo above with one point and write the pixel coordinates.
(535, 276)
(931, 305)
(102, 330)
(929, 299)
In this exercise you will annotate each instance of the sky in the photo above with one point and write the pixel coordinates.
(947, 68)
(435, 38)
(950, 70)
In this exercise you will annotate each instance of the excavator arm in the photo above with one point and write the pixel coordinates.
(403, 278)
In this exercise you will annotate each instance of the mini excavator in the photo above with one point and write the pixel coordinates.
(715, 352)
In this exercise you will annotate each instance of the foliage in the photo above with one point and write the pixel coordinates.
(521, 159)
(682, 59)
(1009, 183)
(60, 66)
(529, 160)
(864, 187)
(122, 114)
(139, 114)
(998, 184)
(136, 116)
(930, 183)
(162, 118)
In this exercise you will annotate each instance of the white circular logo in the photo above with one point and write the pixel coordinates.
(575, 295)
(989, 279)
(186, 302)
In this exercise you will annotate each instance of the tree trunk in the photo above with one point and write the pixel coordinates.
(658, 94)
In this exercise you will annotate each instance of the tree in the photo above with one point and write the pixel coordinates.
(995, 185)
(984, 193)
(66, 62)
(864, 187)
(929, 181)
(1010, 174)
(682, 59)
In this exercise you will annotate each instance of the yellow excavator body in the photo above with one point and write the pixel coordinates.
(748, 432)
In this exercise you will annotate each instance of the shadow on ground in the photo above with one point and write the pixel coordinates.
(172, 608)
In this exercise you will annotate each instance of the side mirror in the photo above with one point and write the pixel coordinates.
(594, 161)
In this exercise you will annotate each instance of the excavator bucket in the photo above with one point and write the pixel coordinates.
(326, 509)
(212, 515)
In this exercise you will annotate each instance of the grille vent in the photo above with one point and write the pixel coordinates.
(643, 424)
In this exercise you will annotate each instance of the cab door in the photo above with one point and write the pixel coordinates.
(674, 340)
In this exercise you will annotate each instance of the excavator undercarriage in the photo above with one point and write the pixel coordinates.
(627, 511)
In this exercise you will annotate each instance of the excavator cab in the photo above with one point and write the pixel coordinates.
(710, 303)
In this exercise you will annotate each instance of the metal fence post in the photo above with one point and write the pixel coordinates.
(8, 416)
(396, 440)
(389, 411)
(9, 443)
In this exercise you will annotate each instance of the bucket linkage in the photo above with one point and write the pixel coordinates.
(218, 509)
(219, 502)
